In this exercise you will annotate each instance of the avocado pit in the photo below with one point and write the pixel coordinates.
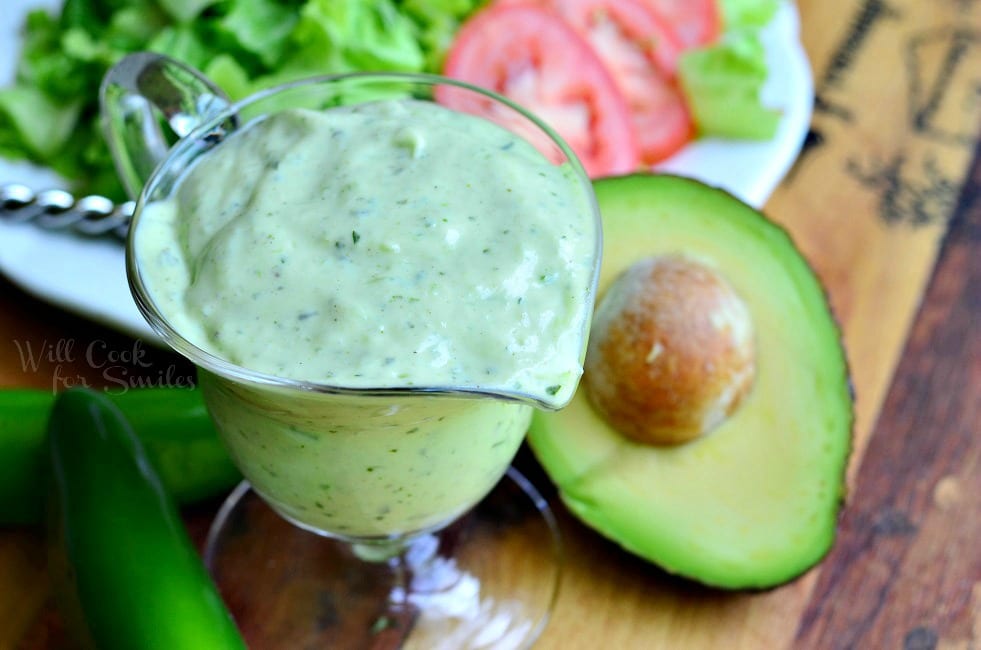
(671, 353)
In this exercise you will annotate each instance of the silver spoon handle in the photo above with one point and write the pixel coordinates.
(91, 215)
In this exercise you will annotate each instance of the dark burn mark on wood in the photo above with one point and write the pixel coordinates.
(920, 638)
(842, 59)
(928, 95)
(813, 139)
(327, 616)
(964, 6)
(869, 13)
(903, 200)
(822, 105)
(911, 191)
(893, 523)
(812, 142)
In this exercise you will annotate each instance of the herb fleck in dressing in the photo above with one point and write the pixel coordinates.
(391, 244)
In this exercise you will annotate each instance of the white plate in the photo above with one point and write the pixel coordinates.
(88, 276)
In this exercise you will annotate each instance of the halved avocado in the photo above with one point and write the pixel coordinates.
(753, 503)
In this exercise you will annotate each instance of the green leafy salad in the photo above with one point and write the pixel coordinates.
(49, 115)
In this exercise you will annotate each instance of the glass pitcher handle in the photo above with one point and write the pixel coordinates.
(141, 93)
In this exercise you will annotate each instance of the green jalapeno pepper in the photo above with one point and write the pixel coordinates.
(172, 423)
(124, 567)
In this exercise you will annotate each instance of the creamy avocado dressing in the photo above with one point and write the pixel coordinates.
(367, 467)
(390, 244)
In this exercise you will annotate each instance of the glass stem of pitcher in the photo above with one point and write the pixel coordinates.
(419, 568)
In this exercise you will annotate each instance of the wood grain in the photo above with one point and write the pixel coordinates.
(894, 134)
(906, 572)
(869, 199)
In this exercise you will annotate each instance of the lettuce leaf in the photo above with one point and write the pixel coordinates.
(437, 22)
(50, 113)
(722, 82)
(747, 14)
(185, 10)
(348, 35)
(260, 27)
(29, 117)
(228, 75)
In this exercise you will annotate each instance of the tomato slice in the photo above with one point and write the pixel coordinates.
(641, 52)
(612, 26)
(533, 57)
(695, 22)
(661, 119)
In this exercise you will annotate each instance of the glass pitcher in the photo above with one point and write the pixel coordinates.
(377, 474)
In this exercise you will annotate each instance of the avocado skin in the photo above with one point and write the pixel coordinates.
(754, 504)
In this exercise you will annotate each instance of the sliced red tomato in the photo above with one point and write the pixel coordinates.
(611, 26)
(661, 119)
(536, 59)
(696, 22)
(641, 53)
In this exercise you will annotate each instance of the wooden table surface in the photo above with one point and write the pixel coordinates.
(885, 201)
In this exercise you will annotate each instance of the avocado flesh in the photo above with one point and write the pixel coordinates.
(754, 503)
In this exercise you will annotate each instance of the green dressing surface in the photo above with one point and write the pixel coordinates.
(389, 245)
